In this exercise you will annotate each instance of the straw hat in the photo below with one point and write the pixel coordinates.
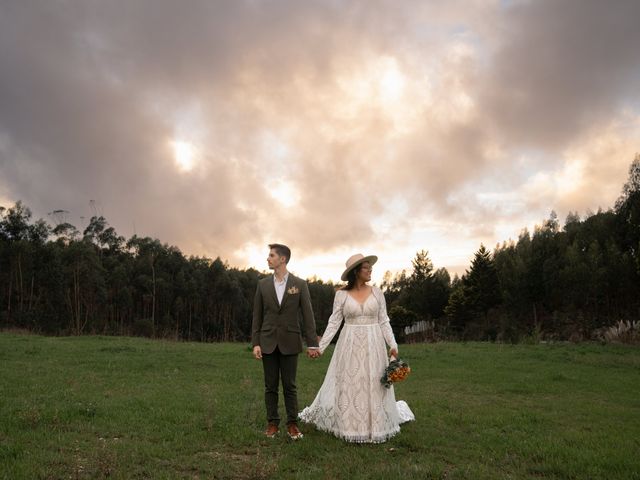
(354, 261)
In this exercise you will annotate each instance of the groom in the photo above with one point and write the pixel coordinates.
(277, 337)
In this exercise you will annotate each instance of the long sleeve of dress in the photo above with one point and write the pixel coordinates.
(334, 320)
(383, 319)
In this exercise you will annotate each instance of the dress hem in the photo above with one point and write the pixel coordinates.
(306, 417)
(356, 438)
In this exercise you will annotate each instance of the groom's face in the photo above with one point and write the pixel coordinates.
(274, 260)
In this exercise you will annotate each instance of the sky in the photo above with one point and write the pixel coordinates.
(335, 127)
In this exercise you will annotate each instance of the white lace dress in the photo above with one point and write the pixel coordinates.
(352, 403)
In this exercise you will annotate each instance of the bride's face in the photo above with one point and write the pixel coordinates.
(364, 273)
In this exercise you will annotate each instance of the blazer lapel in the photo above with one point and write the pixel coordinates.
(271, 289)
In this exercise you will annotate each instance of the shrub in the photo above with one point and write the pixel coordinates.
(623, 332)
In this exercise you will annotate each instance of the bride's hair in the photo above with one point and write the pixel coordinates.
(351, 278)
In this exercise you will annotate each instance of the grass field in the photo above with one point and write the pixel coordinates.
(98, 407)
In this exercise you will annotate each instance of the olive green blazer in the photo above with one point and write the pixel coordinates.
(279, 326)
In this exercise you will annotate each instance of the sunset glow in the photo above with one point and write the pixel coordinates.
(391, 81)
(184, 154)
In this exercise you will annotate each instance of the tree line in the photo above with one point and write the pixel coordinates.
(58, 280)
(555, 283)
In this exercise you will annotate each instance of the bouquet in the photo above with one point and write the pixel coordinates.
(396, 371)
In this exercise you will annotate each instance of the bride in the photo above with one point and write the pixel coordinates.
(352, 403)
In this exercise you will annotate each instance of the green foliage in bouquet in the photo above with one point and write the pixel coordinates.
(396, 371)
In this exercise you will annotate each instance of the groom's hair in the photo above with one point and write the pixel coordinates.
(281, 250)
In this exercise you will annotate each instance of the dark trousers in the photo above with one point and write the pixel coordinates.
(276, 366)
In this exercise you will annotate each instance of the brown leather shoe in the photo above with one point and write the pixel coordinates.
(271, 430)
(293, 432)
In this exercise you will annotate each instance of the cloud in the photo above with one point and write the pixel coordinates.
(326, 125)
(561, 69)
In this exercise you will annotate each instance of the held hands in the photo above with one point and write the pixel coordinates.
(257, 352)
(313, 352)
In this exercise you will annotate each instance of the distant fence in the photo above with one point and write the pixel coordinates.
(418, 327)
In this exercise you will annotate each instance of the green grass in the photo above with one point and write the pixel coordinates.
(98, 407)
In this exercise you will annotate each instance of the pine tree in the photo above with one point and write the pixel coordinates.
(628, 211)
(474, 296)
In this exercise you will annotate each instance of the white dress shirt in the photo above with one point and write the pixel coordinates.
(280, 286)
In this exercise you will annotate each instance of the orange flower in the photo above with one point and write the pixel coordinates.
(396, 371)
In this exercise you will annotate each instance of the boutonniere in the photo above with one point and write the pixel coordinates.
(293, 290)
